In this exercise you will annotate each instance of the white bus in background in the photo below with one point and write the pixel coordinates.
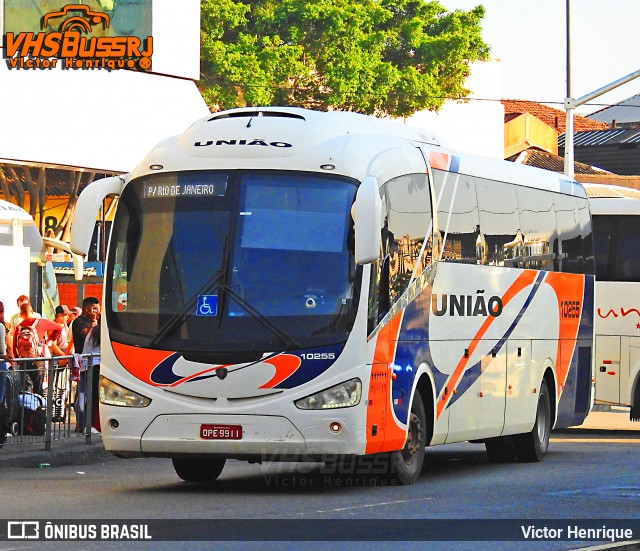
(616, 232)
(25, 270)
(306, 285)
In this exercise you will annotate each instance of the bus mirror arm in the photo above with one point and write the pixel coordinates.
(367, 215)
(86, 211)
(78, 267)
(78, 261)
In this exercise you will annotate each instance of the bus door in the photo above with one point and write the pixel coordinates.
(608, 369)
(631, 368)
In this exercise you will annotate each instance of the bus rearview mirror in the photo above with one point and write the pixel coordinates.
(367, 215)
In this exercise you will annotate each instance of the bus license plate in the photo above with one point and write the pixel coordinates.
(221, 432)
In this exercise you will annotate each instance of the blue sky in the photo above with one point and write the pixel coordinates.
(529, 39)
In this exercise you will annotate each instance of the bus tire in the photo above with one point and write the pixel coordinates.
(406, 464)
(501, 449)
(634, 412)
(198, 470)
(532, 446)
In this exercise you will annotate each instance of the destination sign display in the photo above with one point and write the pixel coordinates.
(160, 190)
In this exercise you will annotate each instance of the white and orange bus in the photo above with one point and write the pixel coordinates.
(288, 284)
(616, 233)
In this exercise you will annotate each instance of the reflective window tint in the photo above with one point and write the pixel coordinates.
(537, 227)
(603, 235)
(212, 262)
(569, 228)
(409, 219)
(499, 220)
(458, 219)
(584, 217)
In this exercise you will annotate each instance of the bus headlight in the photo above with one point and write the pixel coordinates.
(113, 394)
(344, 395)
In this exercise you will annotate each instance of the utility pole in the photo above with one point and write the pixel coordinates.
(570, 103)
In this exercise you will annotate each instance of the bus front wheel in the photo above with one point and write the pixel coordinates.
(198, 470)
(406, 464)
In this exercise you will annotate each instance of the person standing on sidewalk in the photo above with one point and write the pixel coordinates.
(92, 346)
(85, 322)
(63, 346)
(47, 333)
(80, 329)
(25, 311)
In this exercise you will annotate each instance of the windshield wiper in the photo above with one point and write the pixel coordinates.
(338, 318)
(179, 317)
(286, 339)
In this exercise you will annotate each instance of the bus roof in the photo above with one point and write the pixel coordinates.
(606, 199)
(522, 175)
(302, 139)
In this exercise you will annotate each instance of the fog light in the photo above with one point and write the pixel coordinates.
(335, 427)
(113, 423)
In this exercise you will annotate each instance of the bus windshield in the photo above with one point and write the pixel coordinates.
(236, 261)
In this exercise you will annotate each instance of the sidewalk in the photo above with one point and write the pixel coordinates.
(68, 451)
(74, 451)
(616, 420)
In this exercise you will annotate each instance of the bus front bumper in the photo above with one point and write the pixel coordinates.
(252, 437)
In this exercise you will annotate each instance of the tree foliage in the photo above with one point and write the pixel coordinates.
(391, 57)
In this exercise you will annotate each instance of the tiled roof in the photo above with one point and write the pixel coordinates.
(551, 116)
(549, 161)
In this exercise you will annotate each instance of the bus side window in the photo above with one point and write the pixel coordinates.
(538, 227)
(458, 218)
(586, 230)
(626, 262)
(409, 218)
(569, 228)
(604, 237)
(499, 220)
(407, 240)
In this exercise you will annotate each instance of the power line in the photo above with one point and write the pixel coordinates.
(327, 92)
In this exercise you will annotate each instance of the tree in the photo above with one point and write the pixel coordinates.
(385, 57)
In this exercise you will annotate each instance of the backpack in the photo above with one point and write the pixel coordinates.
(33, 414)
(28, 343)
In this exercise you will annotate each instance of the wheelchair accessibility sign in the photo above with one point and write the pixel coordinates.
(207, 305)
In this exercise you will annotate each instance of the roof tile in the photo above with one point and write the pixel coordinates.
(550, 115)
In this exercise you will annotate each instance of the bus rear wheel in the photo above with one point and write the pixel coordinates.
(198, 470)
(405, 465)
(533, 445)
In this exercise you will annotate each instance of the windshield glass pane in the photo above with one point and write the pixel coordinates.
(233, 262)
(290, 256)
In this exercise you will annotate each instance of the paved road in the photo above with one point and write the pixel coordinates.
(586, 475)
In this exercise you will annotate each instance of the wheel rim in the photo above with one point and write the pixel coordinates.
(414, 439)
